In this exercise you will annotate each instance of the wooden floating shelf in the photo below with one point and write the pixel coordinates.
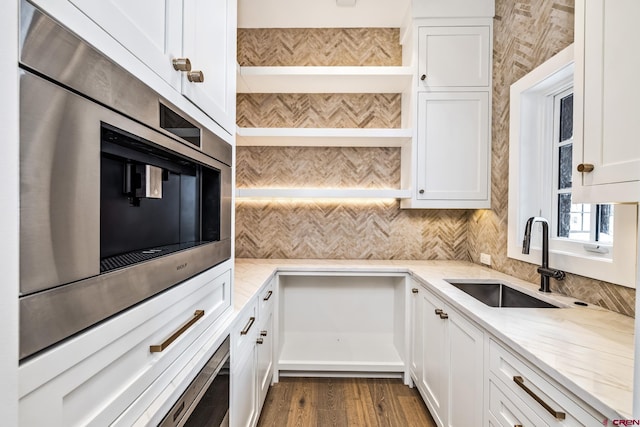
(323, 137)
(321, 193)
(324, 79)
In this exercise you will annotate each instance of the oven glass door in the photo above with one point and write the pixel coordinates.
(205, 402)
(213, 408)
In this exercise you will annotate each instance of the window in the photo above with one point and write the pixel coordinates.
(583, 239)
(580, 223)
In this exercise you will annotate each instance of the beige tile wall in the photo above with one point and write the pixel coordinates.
(526, 34)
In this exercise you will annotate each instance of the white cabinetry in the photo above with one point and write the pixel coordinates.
(533, 399)
(606, 97)
(149, 29)
(453, 152)
(209, 41)
(449, 163)
(454, 56)
(252, 358)
(110, 375)
(244, 395)
(450, 364)
(203, 31)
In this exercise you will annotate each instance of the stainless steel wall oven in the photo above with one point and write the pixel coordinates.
(121, 194)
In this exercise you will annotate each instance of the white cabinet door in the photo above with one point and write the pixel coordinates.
(244, 360)
(454, 56)
(244, 393)
(264, 356)
(435, 375)
(466, 343)
(210, 44)
(417, 333)
(453, 150)
(607, 94)
(149, 29)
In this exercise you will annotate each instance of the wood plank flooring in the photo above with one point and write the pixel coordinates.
(320, 402)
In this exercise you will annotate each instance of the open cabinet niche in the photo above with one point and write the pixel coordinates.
(340, 324)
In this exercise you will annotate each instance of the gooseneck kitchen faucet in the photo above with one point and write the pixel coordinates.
(544, 270)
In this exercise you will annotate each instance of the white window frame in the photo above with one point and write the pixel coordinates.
(531, 182)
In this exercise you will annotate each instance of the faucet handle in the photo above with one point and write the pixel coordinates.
(552, 272)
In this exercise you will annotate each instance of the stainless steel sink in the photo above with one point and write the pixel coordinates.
(496, 294)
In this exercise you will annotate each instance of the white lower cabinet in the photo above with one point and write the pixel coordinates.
(450, 364)
(264, 357)
(251, 359)
(244, 394)
(534, 399)
(110, 375)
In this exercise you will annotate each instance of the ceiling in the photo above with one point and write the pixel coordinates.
(320, 14)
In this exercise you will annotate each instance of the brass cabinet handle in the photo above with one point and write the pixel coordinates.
(260, 341)
(248, 326)
(517, 425)
(181, 64)
(266, 298)
(263, 333)
(158, 348)
(557, 414)
(439, 311)
(585, 167)
(423, 77)
(414, 290)
(195, 76)
(444, 315)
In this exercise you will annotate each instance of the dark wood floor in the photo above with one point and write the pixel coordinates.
(320, 402)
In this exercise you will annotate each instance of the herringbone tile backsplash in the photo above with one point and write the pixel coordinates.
(526, 34)
(318, 167)
(319, 46)
(302, 110)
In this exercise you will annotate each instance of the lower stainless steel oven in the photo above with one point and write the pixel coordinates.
(122, 195)
(206, 400)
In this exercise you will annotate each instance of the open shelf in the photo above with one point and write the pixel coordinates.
(308, 79)
(323, 137)
(321, 193)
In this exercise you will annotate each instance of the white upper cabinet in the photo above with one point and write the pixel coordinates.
(454, 56)
(150, 29)
(453, 149)
(448, 164)
(606, 153)
(209, 41)
(158, 32)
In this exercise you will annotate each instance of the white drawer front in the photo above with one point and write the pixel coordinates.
(266, 298)
(96, 389)
(508, 414)
(244, 331)
(553, 405)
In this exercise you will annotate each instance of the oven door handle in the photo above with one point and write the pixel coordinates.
(158, 348)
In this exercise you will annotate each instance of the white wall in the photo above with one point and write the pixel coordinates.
(9, 214)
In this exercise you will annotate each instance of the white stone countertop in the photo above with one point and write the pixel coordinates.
(589, 350)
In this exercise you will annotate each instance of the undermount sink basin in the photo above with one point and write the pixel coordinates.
(495, 294)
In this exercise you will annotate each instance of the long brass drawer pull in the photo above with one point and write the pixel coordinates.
(557, 414)
(266, 298)
(158, 348)
(248, 326)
